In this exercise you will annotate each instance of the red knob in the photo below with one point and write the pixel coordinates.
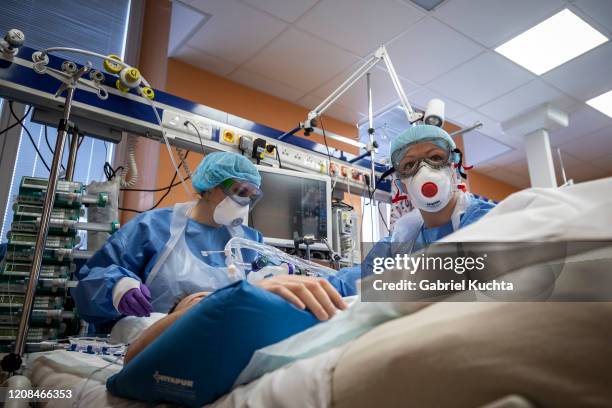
(429, 189)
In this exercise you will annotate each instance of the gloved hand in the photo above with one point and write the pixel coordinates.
(136, 302)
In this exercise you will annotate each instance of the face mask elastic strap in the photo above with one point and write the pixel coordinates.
(460, 166)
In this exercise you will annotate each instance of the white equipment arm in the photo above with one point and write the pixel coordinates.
(380, 54)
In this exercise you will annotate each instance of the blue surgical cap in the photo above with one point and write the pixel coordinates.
(217, 167)
(420, 134)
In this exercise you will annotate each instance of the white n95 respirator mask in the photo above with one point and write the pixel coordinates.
(430, 189)
(228, 212)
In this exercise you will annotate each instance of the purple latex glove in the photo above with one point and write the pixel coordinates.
(136, 302)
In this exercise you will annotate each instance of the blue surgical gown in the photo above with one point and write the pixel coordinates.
(133, 251)
(383, 248)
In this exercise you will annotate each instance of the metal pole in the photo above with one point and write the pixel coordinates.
(371, 132)
(74, 146)
(20, 341)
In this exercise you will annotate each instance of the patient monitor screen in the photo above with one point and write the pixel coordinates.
(290, 205)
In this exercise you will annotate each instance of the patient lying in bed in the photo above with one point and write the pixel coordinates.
(157, 328)
(314, 294)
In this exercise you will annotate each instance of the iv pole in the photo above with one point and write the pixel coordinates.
(11, 362)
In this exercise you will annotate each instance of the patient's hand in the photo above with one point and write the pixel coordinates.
(306, 292)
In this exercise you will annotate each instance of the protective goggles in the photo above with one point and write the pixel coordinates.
(410, 168)
(242, 192)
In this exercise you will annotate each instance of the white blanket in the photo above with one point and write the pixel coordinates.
(579, 212)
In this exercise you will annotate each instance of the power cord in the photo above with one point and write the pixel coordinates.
(49, 146)
(20, 121)
(187, 122)
(25, 115)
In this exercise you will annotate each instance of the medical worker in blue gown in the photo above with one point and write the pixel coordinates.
(428, 165)
(163, 255)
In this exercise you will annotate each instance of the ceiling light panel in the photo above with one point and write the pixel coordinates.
(602, 103)
(551, 43)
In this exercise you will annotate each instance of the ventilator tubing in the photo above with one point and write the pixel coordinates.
(235, 245)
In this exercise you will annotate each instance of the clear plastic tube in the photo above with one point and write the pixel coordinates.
(234, 263)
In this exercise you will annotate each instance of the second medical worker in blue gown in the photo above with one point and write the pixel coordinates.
(427, 165)
(163, 255)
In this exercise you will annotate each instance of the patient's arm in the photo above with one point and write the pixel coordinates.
(161, 325)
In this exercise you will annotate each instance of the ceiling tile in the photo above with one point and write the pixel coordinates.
(266, 85)
(582, 122)
(300, 60)
(492, 22)
(490, 127)
(586, 172)
(480, 148)
(598, 10)
(480, 80)
(507, 176)
(510, 157)
(519, 167)
(429, 49)
(337, 111)
(604, 162)
(586, 76)
(452, 109)
(183, 22)
(288, 10)
(230, 24)
(204, 61)
(591, 146)
(523, 99)
(359, 26)
(356, 97)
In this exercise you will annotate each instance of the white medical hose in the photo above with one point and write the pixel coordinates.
(130, 181)
(189, 192)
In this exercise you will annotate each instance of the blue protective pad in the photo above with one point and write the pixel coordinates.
(198, 358)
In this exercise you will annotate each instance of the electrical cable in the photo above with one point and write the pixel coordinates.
(382, 217)
(280, 165)
(371, 195)
(49, 146)
(29, 135)
(326, 145)
(329, 158)
(110, 173)
(16, 123)
(188, 122)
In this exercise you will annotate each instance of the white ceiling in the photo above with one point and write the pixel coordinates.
(300, 50)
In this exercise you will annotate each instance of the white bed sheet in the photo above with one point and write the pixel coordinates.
(305, 383)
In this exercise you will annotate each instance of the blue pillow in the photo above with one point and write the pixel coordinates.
(198, 358)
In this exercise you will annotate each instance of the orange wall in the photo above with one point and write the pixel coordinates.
(489, 187)
(152, 63)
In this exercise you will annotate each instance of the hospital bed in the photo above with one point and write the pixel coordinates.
(470, 354)
(449, 354)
